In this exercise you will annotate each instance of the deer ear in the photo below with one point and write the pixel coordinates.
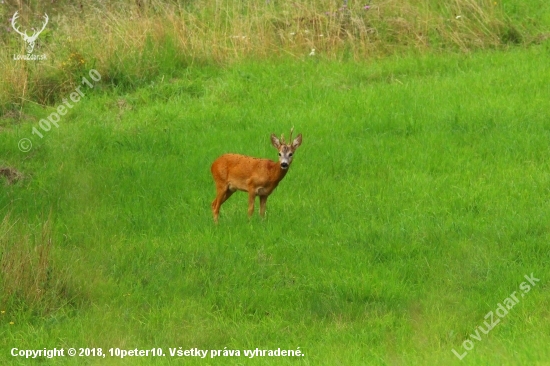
(297, 142)
(275, 141)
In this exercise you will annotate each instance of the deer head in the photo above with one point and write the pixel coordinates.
(29, 39)
(286, 150)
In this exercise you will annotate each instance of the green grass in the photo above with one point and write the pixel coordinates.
(416, 203)
(132, 42)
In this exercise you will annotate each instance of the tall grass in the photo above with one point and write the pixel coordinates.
(131, 42)
(30, 276)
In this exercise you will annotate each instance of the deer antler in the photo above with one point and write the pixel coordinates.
(290, 138)
(15, 16)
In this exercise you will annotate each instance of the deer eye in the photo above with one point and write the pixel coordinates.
(290, 155)
(279, 154)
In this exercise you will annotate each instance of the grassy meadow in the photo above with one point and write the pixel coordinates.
(416, 204)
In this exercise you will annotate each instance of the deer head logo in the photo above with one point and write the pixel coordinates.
(29, 39)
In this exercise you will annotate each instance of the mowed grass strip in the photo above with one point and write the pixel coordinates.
(416, 203)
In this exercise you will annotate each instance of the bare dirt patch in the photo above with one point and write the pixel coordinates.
(11, 175)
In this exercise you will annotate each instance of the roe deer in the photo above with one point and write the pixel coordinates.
(258, 177)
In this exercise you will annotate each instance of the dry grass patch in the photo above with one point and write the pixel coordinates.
(30, 275)
(11, 175)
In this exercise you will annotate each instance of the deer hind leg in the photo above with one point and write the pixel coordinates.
(223, 193)
(263, 201)
(251, 198)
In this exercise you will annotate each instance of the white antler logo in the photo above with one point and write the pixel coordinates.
(32, 39)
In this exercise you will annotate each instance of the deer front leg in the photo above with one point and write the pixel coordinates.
(251, 198)
(263, 201)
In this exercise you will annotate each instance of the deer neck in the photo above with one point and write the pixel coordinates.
(278, 173)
